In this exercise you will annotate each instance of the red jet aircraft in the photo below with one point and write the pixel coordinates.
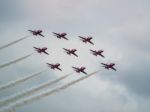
(86, 39)
(36, 32)
(78, 70)
(109, 66)
(98, 52)
(71, 51)
(54, 66)
(41, 50)
(60, 35)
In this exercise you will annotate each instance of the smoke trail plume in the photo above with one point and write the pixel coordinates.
(20, 80)
(44, 94)
(30, 91)
(14, 61)
(14, 42)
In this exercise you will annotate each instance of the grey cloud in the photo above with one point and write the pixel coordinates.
(120, 27)
(9, 10)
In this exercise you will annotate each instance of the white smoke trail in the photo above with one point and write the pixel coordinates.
(20, 80)
(15, 61)
(44, 94)
(30, 91)
(14, 42)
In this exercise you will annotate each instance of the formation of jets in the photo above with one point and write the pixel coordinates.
(72, 51)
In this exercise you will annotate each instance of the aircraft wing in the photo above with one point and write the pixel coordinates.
(81, 37)
(84, 72)
(75, 54)
(49, 64)
(54, 33)
(104, 64)
(92, 50)
(65, 38)
(59, 69)
(41, 35)
(36, 48)
(113, 68)
(46, 53)
(91, 42)
(75, 68)
(65, 49)
(30, 31)
(102, 56)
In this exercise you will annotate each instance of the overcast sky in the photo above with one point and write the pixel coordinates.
(119, 27)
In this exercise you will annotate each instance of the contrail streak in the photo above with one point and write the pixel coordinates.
(44, 94)
(20, 80)
(30, 91)
(15, 61)
(12, 43)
